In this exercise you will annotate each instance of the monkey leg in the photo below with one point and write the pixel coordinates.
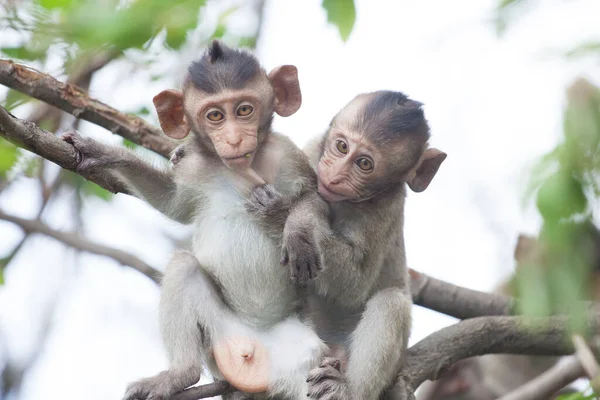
(378, 343)
(197, 325)
(375, 351)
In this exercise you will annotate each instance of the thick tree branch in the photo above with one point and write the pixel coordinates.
(75, 101)
(456, 301)
(73, 240)
(39, 141)
(433, 355)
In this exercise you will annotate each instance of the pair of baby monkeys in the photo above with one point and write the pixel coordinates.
(332, 325)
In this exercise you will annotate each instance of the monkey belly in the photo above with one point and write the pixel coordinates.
(276, 360)
(242, 260)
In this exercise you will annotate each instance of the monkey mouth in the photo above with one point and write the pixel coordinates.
(329, 194)
(247, 155)
(239, 162)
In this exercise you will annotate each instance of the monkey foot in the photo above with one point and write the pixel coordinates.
(244, 363)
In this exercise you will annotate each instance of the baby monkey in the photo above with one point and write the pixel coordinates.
(229, 303)
(360, 302)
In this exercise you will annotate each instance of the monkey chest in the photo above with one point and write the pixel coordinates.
(242, 259)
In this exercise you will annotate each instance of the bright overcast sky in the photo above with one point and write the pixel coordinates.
(494, 105)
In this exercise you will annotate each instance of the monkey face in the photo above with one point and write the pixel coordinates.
(228, 100)
(231, 122)
(348, 166)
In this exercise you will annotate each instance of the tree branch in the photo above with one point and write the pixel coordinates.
(73, 240)
(433, 355)
(75, 101)
(39, 141)
(456, 301)
(549, 382)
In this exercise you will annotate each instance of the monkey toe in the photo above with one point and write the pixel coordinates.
(326, 372)
(331, 362)
(327, 385)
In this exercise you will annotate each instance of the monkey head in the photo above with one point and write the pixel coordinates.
(228, 101)
(375, 143)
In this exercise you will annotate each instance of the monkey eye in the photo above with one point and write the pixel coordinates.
(244, 110)
(341, 146)
(365, 164)
(215, 115)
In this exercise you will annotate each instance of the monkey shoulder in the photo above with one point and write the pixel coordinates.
(288, 166)
(312, 149)
(193, 168)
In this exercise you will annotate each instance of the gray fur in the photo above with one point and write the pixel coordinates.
(222, 67)
(360, 301)
(233, 281)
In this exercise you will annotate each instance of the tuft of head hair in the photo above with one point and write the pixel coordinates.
(222, 67)
(215, 51)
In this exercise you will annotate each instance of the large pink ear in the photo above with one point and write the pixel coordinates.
(288, 97)
(430, 163)
(169, 106)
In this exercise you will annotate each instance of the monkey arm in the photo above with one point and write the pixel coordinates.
(156, 186)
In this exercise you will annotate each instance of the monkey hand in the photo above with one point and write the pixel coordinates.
(158, 387)
(326, 382)
(301, 253)
(90, 153)
(269, 206)
(177, 155)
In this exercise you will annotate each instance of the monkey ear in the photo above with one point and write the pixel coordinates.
(288, 97)
(169, 106)
(421, 177)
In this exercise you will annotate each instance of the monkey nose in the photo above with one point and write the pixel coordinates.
(233, 140)
(335, 181)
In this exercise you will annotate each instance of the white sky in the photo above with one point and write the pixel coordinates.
(494, 105)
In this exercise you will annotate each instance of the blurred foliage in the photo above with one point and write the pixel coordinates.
(565, 186)
(8, 156)
(578, 396)
(342, 14)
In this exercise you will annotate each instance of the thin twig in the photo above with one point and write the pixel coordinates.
(73, 240)
(549, 382)
(588, 361)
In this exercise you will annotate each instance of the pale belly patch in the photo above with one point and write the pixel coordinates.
(231, 246)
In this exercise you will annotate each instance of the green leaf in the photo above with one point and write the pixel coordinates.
(248, 41)
(8, 156)
(219, 31)
(129, 144)
(22, 53)
(561, 196)
(14, 99)
(584, 49)
(91, 189)
(52, 4)
(342, 14)
(1, 275)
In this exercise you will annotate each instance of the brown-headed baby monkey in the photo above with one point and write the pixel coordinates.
(360, 302)
(230, 304)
